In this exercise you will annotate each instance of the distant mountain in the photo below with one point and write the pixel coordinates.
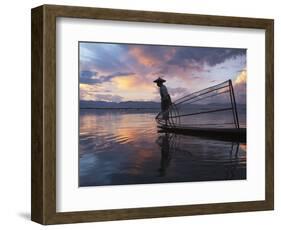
(120, 105)
(144, 105)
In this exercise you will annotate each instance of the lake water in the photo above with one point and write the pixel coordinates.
(124, 147)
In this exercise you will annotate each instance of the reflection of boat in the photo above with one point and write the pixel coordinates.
(201, 103)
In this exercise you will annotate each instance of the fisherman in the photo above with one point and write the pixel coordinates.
(165, 98)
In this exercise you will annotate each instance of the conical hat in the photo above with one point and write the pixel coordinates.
(159, 79)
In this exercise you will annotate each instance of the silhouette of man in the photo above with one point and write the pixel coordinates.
(165, 98)
(164, 142)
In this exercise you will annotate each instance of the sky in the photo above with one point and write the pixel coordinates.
(125, 72)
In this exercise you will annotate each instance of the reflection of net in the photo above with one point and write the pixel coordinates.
(226, 155)
(211, 107)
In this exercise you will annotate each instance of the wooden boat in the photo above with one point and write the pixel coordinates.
(175, 125)
(228, 134)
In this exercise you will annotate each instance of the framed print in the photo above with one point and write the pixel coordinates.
(139, 114)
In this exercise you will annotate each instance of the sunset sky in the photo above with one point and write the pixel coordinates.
(124, 72)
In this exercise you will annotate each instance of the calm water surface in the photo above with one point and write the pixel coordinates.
(123, 147)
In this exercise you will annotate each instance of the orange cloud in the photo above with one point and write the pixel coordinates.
(241, 78)
(128, 87)
(240, 87)
(86, 92)
(132, 83)
(142, 58)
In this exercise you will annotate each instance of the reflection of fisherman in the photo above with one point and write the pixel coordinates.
(165, 98)
(164, 143)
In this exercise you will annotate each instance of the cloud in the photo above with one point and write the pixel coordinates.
(108, 97)
(239, 86)
(133, 83)
(151, 55)
(104, 57)
(204, 55)
(241, 78)
(128, 70)
(87, 76)
(93, 92)
(90, 77)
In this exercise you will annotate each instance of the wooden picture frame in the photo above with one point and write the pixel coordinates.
(43, 207)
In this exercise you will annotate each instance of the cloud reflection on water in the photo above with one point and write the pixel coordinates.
(124, 147)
